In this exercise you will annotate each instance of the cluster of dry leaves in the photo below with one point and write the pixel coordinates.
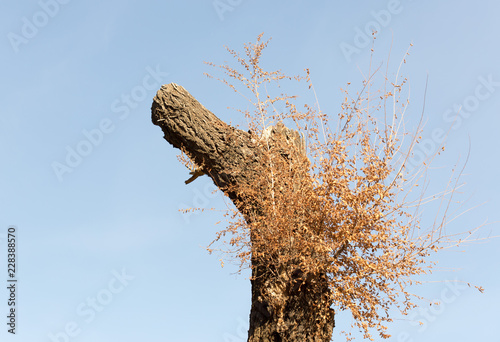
(339, 205)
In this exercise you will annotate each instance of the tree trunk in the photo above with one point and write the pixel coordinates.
(231, 157)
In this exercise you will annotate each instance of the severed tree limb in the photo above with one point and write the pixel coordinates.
(231, 158)
(208, 141)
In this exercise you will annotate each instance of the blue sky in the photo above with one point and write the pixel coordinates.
(104, 253)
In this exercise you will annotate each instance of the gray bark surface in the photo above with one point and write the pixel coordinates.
(231, 159)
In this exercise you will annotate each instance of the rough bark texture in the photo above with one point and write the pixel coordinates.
(230, 157)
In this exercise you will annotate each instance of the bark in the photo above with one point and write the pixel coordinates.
(231, 159)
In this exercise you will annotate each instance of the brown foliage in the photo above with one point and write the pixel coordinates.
(333, 202)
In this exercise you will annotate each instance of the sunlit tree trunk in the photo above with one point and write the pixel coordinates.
(231, 159)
